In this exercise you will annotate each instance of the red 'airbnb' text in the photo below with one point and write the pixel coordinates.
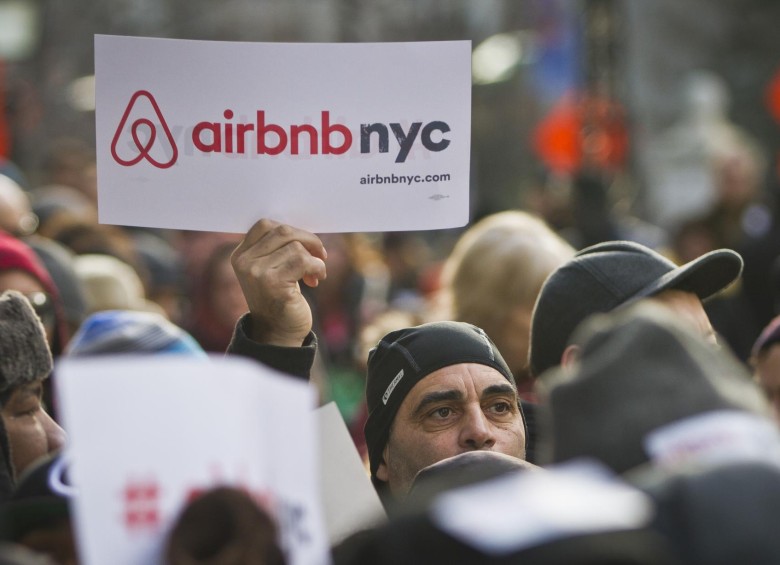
(327, 139)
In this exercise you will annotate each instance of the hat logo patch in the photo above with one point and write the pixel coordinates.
(485, 338)
(391, 386)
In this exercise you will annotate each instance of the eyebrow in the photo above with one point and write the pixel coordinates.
(494, 390)
(31, 389)
(437, 396)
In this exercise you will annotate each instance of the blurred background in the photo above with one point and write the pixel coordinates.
(642, 57)
(656, 121)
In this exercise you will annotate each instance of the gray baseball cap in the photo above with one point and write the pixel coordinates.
(603, 277)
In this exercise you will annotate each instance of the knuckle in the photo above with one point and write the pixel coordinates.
(264, 224)
(293, 263)
(259, 228)
(259, 274)
(296, 247)
(239, 262)
(283, 230)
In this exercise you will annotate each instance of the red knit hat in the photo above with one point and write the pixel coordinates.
(15, 255)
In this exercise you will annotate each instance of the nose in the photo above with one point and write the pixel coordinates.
(55, 435)
(477, 432)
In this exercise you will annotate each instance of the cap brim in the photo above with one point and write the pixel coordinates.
(705, 276)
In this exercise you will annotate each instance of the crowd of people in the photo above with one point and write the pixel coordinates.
(523, 391)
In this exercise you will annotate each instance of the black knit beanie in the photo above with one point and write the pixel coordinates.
(404, 357)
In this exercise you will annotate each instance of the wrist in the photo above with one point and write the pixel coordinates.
(260, 332)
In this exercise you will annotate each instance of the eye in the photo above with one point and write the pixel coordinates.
(27, 413)
(25, 409)
(501, 407)
(442, 413)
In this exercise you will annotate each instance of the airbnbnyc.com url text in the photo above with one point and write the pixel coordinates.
(403, 179)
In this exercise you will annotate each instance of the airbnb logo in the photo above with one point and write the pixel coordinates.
(261, 136)
(140, 148)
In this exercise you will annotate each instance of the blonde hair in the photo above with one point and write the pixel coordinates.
(497, 265)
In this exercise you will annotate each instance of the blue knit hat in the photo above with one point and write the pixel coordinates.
(127, 331)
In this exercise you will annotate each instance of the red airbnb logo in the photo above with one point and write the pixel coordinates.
(144, 148)
(139, 133)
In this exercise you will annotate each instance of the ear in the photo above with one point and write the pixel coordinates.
(381, 471)
(570, 356)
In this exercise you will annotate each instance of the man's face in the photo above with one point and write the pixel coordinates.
(687, 307)
(460, 408)
(31, 431)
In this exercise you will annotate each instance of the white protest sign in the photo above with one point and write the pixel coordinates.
(208, 135)
(147, 434)
(713, 438)
(522, 510)
(349, 500)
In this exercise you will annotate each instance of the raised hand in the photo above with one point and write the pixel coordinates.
(269, 262)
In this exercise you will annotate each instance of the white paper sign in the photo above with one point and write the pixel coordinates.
(522, 510)
(350, 501)
(145, 435)
(208, 135)
(714, 438)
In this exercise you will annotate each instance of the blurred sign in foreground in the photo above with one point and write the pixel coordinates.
(350, 502)
(207, 135)
(146, 435)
